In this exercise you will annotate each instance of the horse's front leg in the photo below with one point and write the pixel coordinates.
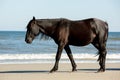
(58, 55)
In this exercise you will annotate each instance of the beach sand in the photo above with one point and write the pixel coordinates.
(85, 71)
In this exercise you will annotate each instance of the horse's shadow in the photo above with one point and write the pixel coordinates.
(95, 70)
(47, 71)
(26, 71)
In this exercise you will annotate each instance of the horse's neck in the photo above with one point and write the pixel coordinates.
(48, 25)
(49, 28)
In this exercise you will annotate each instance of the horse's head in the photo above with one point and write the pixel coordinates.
(32, 30)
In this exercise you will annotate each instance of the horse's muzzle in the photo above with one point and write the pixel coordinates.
(29, 41)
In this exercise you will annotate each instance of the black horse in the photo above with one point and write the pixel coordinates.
(67, 32)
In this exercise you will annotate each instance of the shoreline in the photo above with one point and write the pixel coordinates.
(50, 58)
(51, 61)
(85, 71)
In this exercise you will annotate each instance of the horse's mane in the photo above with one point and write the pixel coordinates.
(44, 36)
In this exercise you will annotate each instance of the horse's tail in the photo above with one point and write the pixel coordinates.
(106, 26)
(102, 35)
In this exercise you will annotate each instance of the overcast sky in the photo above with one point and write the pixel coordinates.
(15, 14)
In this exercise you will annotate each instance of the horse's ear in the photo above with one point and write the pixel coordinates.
(33, 18)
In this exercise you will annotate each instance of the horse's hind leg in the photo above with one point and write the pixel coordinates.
(102, 55)
(69, 53)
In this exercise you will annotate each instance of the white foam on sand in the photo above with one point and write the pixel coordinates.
(47, 57)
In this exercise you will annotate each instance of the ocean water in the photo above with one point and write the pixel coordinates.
(14, 50)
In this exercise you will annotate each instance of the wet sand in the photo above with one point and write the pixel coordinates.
(85, 71)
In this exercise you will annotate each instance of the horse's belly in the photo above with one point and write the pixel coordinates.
(80, 41)
(81, 38)
(75, 43)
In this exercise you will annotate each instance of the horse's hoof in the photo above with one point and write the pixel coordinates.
(53, 70)
(73, 70)
(101, 70)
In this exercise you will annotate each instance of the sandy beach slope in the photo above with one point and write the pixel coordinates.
(85, 71)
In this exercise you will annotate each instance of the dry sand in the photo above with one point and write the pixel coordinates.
(85, 71)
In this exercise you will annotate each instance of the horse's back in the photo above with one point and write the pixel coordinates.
(80, 33)
(83, 32)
